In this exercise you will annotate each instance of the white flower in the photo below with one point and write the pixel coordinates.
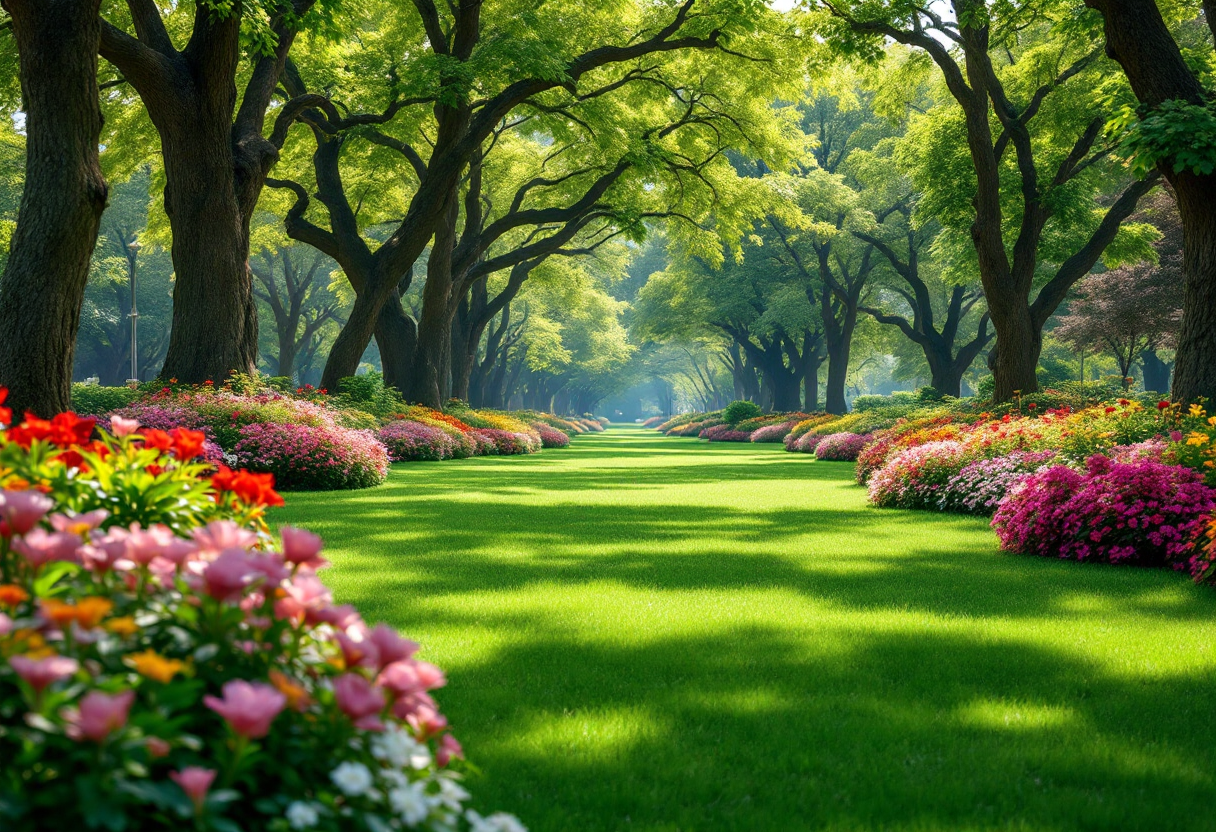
(411, 803)
(451, 794)
(398, 749)
(353, 779)
(302, 815)
(497, 822)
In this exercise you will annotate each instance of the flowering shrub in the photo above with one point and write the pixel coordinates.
(551, 437)
(841, 446)
(773, 433)
(916, 477)
(192, 676)
(304, 457)
(808, 442)
(409, 441)
(509, 442)
(724, 433)
(1143, 513)
(982, 484)
(654, 421)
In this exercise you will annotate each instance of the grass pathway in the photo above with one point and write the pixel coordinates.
(644, 633)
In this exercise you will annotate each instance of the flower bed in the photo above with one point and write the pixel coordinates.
(162, 656)
(415, 441)
(773, 433)
(842, 447)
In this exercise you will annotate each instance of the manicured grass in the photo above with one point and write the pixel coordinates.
(654, 634)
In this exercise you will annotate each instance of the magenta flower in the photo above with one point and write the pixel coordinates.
(22, 510)
(101, 714)
(360, 700)
(358, 652)
(40, 673)
(247, 707)
(306, 595)
(303, 548)
(121, 427)
(40, 547)
(195, 782)
(449, 749)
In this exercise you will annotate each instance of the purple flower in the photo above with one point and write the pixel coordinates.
(842, 447)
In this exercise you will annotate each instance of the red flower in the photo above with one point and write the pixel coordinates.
(6, 413)
(249, 488)
(187, 444)
(1032, 406)
(1161, 405)
(1110, 410)
(158, 439)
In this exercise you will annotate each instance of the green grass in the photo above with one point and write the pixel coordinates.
(645, 633)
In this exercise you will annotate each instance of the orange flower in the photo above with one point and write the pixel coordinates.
(297, 697)
(11, 595)
(57, 612)
(123, 626)
(155, 666)
(90, 611)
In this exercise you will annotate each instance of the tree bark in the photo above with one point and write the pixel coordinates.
(1139, 40)
(429, 380)
(42, 289)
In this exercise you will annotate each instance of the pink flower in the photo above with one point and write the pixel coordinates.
(360, 700)
(219, 535)
(248, 707)
(427, 721)
(449, 749)
(40, 547)
(392, 647)
(107, 551)
(306, 595)
(342, 617)
(101, 714)
(195, 782)
(302, 548)
(6, 624)
(39, 673)
(22, 510)
(80, 524)
(121, 427)
(158, 748)
(406, 677)
(227, 577)
(358, 652)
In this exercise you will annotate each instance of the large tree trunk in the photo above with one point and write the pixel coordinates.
(397, 338)
(215, 326)
(42, 289)
(433, 355)
(1015, 357)
(1195, 364)
(1138, 38)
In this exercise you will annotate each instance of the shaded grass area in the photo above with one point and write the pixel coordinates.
(650, 633)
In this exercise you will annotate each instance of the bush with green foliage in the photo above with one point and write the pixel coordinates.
(95, 400)
(737, 411)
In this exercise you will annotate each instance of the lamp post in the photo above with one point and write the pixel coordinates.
(132, 253)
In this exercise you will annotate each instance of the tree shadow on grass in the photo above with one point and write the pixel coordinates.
(756, 730)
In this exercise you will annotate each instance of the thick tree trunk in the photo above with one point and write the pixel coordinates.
(948, 380)
(347, 350)
(42, 289)
(1195, 364)
(1015, 358)
(287, 354)
(215, 326)
(397, 337)
(432, 359)
(1138, 38)
(1156, 372)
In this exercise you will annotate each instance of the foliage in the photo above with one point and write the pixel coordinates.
(737, 411)
(97, 400)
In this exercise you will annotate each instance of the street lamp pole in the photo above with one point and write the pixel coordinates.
(132, 253)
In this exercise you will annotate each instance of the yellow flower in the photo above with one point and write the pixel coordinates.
(1197, 411)
(1196, 439)
(155, 666)
(297, 696)
(124, 626)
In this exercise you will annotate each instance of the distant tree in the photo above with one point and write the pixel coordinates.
(294, 286)
(1133, 311)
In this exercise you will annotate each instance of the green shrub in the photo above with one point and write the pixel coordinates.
(737, 411)
(94, 400)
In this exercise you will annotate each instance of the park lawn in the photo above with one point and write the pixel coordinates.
(647, 633)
